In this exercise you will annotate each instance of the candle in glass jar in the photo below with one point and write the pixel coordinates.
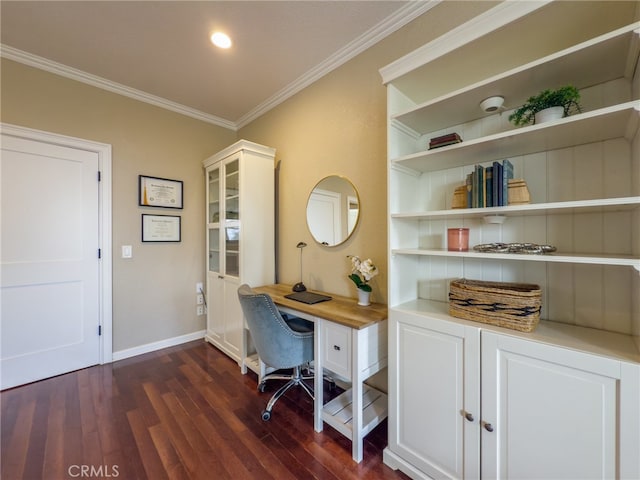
(458, 239)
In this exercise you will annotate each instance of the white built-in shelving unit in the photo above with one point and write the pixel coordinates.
(583, 174)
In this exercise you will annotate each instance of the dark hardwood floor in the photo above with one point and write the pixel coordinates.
(184, 412)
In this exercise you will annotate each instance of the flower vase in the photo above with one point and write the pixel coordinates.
(363, 298)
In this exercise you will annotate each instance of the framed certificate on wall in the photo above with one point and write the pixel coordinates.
(160, 228)
(159, 192)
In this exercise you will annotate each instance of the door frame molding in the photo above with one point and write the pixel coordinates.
(103, 150)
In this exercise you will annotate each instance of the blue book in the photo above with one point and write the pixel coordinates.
(488, 178)
(474, 188)
(479, 186)
(507, 174)
(497, 184)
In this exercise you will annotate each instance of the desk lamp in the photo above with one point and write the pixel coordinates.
(299, 287)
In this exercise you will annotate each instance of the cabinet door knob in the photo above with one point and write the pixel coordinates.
(336, 347)
(488, 427)
(469, 416)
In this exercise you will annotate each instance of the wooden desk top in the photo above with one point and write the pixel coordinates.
(342, 310)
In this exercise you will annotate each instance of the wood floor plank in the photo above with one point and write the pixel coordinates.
(15, 456)
(183, 413)
(34, 461)
(210, 462)
(239, 462)
(54, 466)
(168, 455)
(146, 447)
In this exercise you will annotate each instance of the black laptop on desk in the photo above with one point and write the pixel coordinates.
(308, 297)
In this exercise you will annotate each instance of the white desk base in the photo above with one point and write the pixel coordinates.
(360, 409)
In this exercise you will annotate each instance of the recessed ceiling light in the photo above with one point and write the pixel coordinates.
(221, 40)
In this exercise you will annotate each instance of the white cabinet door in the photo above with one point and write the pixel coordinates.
(215, 314)
(224, 322)
(436, 386)
(552, 411)
(233, 319)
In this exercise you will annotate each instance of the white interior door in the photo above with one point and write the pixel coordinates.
(50, 279)
(324, 216)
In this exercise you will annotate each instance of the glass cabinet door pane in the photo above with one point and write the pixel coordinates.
(214, 250)
(232, 237)
(232, 218)
(232, 185)
(214, 196)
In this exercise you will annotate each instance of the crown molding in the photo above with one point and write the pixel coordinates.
(74, 74)
(383, 29)
(473, 29)
(392, 23)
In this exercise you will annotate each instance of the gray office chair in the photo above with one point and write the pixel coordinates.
(281, 343)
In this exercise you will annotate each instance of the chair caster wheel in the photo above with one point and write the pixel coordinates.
(266, 416)
(262, 386)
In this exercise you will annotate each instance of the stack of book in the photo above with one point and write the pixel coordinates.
(444, 140)
(489, 186)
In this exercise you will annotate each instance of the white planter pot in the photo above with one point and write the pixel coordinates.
(363, 298)
(548, 114)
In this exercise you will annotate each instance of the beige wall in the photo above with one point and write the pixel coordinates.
(338, 126)
(153, 292)
(335, 126)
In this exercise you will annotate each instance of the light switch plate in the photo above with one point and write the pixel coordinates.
(127, 251)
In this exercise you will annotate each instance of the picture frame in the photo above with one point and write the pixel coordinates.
(160, 192)
(161, 228)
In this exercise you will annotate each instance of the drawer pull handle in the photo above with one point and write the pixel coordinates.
(469, 416)
(488, 427)
(336, 347)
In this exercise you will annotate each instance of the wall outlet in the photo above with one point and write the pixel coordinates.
(199, 299)
(199, 287)
(200, 310)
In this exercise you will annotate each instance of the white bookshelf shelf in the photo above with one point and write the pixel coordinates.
(618, 345)
(586, 258)
(339, 412)
(618, 121)
(552, 208)
(615, 53)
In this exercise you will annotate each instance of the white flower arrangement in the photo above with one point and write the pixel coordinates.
(362, 272)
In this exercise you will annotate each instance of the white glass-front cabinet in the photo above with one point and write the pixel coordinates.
(240, 238)
(468, 400)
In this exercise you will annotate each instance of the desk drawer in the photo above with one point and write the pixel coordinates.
(337, 349)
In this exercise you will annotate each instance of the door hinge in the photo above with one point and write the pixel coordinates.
(99, 175)
(99, 330)
(99, 253)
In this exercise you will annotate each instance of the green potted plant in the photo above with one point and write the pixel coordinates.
(564, 101)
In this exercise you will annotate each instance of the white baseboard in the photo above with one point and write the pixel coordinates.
(152, 347)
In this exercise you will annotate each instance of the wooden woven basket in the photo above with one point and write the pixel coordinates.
(510, 305)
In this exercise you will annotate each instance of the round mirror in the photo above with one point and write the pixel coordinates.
(333, 210)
